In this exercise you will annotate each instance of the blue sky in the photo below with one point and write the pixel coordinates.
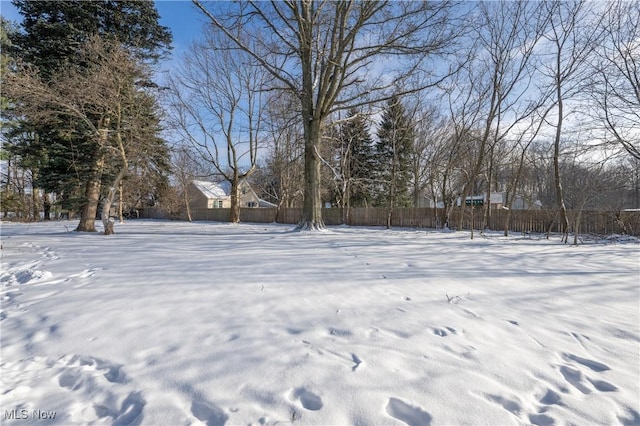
(184, 20)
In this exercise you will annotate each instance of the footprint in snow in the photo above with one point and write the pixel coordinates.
(551, 398)
(409, 414)
(308, 400)
(575, 378)
(596, 366)
(25, 276)
(77, 366)
(508, 404)
(106, 393)
(130, 410)
(541, 420)
(209, 413)
(602, 386)
(631, 417)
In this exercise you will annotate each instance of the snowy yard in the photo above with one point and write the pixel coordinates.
(169, 323)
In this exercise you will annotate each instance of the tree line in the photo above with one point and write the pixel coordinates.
(348, 104)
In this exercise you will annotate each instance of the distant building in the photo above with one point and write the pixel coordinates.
(217, 195)
(495, 200)
(498, 201)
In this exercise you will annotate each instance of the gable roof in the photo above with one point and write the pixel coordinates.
(265, 203)
(212, 190)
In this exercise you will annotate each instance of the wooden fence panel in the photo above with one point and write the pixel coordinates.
(532, 221)
(263, 215)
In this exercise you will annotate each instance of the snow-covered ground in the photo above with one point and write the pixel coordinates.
(169, 323)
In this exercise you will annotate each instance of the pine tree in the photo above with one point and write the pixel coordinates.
(355, 137)
(55, 30)
(393, 151)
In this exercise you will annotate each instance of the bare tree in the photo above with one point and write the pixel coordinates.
(93, 100)
(186, 167)
(522, 141)
(217, 100)
(616, 94)
(572, 38)
(445, 178)
(497, 79)
(429, 127)
(585, 184)
(325, 53)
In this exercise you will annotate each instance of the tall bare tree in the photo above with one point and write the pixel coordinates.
(217, 103)
(327, 54)
(444, 176)
(498, 79)
(571, 39)
(521, 142)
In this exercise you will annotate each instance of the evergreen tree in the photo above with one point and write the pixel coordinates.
(18, 166)
(55, 30)
(393, 153)
(355, 137)
(54, 37)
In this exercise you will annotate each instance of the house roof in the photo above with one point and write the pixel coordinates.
(265, 203)
(212, 190)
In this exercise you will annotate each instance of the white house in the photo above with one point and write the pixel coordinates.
(217, 195)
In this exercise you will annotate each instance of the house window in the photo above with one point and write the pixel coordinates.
(217, 204)
(251, 204)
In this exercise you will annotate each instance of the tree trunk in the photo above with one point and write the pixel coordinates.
(186, 203)
(392, 192)
(120, 203)
(486, 215)
(234, 211)
(46, 206)
(5, 209)
(511, 193)
(107, 221)
(312, 203)
(92, 197)
(346, 204)
(472, 217)
(35, 207)
(577, 226)
(564, 220)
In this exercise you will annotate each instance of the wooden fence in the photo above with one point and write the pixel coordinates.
(532, 221)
